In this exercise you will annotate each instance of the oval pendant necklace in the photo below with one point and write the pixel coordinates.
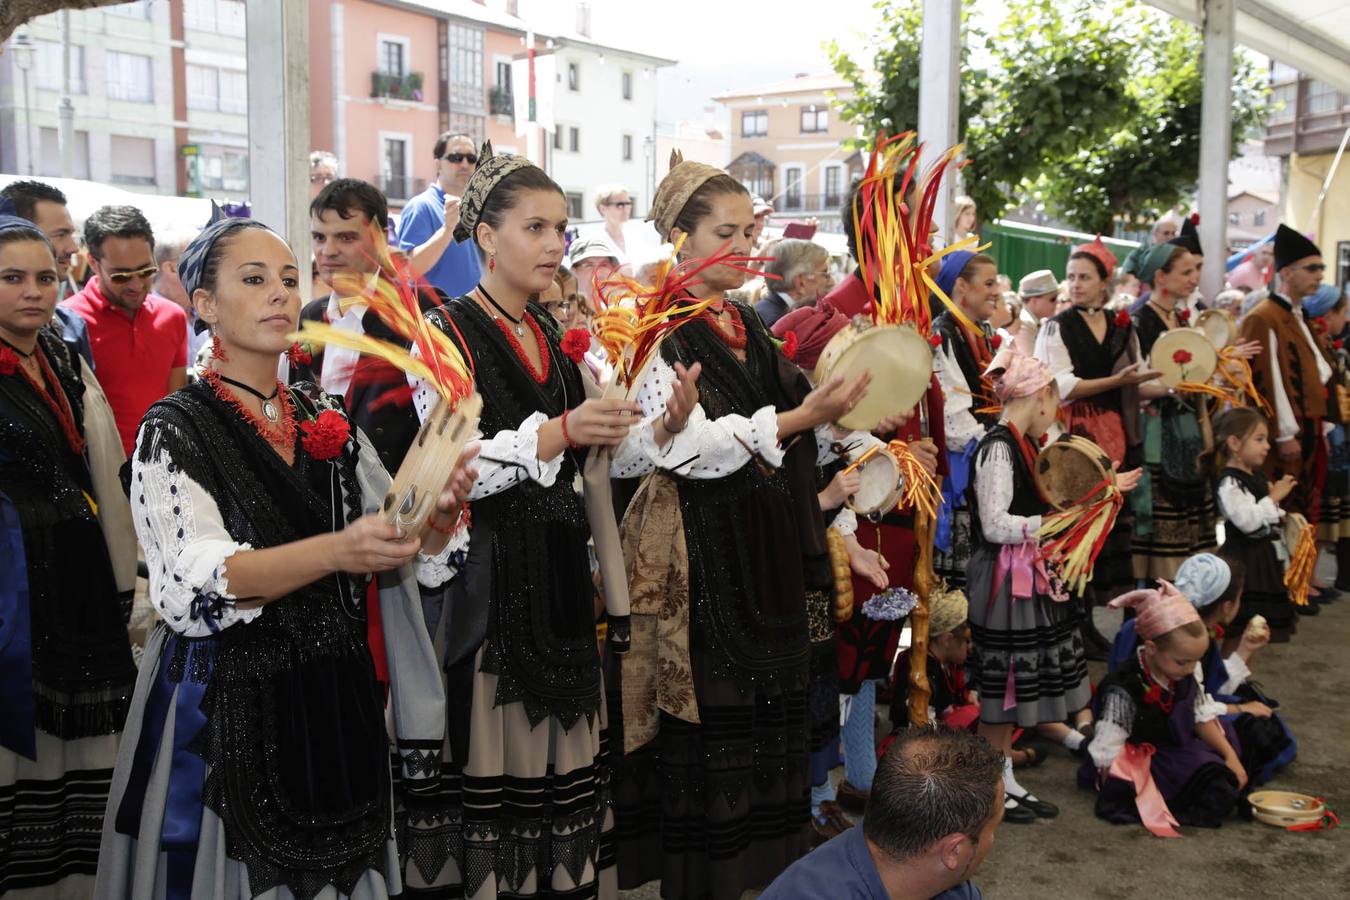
(269, 409)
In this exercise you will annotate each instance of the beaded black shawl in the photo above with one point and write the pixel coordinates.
(295, 736)
(526, 593)
(83, 673)
(749, 532)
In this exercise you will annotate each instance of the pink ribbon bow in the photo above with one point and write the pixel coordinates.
(1135, 764)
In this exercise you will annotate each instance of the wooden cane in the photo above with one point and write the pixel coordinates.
(919, 689)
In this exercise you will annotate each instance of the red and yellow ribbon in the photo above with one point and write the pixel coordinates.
(921, 490)
(1082, 531)
(1298, 577)
(1238, 372)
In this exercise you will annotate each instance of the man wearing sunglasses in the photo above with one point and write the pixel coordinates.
(1292, 371)
(139, 341)
(427, 225)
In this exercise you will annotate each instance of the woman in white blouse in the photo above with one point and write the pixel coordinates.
(257, 755)
(722, 693)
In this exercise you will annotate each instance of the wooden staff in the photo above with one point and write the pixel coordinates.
(919, 689)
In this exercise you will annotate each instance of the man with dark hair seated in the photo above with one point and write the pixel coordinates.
(936, 800)
(345, 219)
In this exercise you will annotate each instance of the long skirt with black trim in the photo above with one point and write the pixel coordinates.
(719, 807)
(1031, 644)
(1183, 524)
(524, 813)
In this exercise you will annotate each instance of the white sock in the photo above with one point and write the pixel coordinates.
(1074, 739)
(1010, 785)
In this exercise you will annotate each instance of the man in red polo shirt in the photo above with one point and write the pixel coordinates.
(139, 341)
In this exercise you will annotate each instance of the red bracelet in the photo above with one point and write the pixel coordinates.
(447, 530)
(568, 440)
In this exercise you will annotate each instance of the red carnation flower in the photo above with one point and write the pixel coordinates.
(1195, 219)
(298, 355)
(790, 345)
(996, 341)
(1319, 325)
(1043, 440)
(1153, 695)
(324, 436)
(575, 343)
(935, 339)
(9, 361)
(1184, 316)
(1339, 345)
(1181, 357)
(1122, 319)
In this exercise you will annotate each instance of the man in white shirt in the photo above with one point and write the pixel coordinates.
(1292, 371)
(1039, 292)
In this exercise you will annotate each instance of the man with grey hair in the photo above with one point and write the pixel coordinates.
(803, 276)
(930, 821)
(323, 171)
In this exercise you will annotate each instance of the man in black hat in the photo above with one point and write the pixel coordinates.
(1293, 371)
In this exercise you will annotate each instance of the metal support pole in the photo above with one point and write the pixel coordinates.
(940, 92)
(278, 119)
(28, 120)
(1216, 140)
(66, 109)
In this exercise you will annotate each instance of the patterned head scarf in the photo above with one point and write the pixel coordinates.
(1017, 375)
(1158, 611)
(947, 610)
(486, 176)
(1203, 578)
(680, 183)
(192, 263)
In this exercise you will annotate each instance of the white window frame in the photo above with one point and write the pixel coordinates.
(626, 77)
(150, 76)
(787, 168)
(757, 113)
(381, 38)
(407, 138)
(824, 190)
(626, 151)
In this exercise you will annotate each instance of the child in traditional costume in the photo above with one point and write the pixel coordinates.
(1160, 755)
(1028, 655)
(950, 701)
(1253, 534)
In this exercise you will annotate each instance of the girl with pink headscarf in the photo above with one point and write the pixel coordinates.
(1028, 657)
(1160, 755)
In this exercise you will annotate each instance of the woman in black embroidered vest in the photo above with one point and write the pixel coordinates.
(66, 673)
(526, 721)
(969, 407)
(1096, 360)
(1174, 506)
(713, 797)
(260, 764)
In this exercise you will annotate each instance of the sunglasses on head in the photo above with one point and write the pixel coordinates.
(124, 277)
(460, 157)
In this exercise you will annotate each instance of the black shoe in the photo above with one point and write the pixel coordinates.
(1325, 595)
(1312, 609)
(1342, 586)
(1039, 808)
(1015, 813)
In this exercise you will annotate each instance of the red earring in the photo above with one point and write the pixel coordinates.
(492, 263)
(217, 350)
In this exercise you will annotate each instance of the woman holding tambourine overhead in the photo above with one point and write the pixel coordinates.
(712, 794)
(256, 758)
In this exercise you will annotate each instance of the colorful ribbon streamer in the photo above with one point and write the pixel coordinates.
(1083, 529)
(921, 491)
(1298, 577)
(1238, 372)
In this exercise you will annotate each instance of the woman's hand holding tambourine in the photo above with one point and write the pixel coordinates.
(1245, 349)
(456, 491)
(1128, 481)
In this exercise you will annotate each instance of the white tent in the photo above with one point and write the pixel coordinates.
(172, 218)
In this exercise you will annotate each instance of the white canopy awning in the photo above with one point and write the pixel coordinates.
(1312, 36)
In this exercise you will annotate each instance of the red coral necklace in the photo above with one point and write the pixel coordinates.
(733, 338)
(512, 335)
(1154, 693)
(278, 426)
(51, 394)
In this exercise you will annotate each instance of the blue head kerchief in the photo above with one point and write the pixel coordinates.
(1321, 301)
(10, 220)
(192, 263)
(952, 264)
(1203, 578)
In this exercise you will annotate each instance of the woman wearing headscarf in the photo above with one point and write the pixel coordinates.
(258, 759)
(66, 672)
(712, 794)
(970, 281)
(526, 720)
(1174, 507)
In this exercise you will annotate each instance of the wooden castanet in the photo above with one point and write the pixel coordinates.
(430, 460)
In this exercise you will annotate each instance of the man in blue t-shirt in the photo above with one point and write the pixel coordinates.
(936, 799)
(426, 227)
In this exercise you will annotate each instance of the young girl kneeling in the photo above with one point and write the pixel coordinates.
(1160, 755)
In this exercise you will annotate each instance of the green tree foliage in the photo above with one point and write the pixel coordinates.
(1091, 107)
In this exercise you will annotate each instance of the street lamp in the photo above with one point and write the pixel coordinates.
(22, 49)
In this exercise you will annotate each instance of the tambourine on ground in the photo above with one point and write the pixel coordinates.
(900, 360)
(431, 458)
